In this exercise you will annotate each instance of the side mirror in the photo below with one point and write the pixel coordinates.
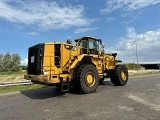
(100, 41)
(69, 41)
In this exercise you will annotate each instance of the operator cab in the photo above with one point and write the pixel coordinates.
(89, 45)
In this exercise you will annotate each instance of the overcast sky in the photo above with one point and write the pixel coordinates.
(121, 24)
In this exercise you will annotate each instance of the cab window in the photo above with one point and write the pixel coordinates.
(92, 44)
(83, 44)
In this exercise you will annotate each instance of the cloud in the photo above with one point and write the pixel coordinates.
(42, 14)
(110, 19)
(82, 30)
(132, 17)
(24, 61)
(127, 5)
(147, 46)
(33, 33)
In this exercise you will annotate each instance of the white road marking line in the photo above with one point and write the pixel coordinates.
(125, 108)
(144, 102)
(46, 110)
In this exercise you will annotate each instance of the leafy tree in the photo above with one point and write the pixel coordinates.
(24, 67)
(1, 58)
(6, 62)
(9, 63)
(15, 62)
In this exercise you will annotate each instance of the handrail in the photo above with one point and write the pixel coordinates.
(76, 47)
(58, 58)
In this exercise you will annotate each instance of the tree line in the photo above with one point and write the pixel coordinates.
(9, 62)
(133, 66)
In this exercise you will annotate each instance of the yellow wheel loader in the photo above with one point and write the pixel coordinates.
(81, 66)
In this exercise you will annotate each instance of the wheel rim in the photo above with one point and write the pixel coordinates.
(90, 79)
(123, 75)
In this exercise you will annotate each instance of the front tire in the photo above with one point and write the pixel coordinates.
(119, 76)
(87, 79)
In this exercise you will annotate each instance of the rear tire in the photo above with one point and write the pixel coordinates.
(119, 76)
(87, 79)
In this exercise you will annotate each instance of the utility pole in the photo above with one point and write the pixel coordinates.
(136, 52)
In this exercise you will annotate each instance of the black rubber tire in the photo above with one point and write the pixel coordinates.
(116, 77)
(80, 81)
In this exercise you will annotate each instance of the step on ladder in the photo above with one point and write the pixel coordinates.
(64, 85)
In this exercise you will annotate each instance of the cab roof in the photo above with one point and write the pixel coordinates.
(85, 38)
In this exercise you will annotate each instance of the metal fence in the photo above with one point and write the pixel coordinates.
(22, 82)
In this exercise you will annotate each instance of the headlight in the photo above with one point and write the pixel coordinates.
(45, 72)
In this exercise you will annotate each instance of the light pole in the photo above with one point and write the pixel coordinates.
(136, 53)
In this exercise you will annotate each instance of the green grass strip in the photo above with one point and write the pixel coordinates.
(20, 88)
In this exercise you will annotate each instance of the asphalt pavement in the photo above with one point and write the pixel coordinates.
(138, 100)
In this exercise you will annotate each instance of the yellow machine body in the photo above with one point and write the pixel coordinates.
(56, 62)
